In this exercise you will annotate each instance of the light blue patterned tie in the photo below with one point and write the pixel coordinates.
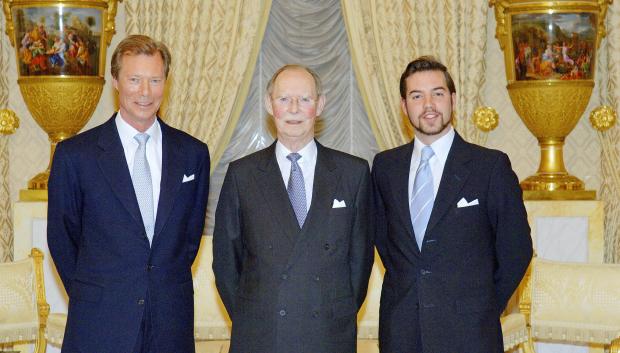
(143, 186)
(296, 189)
(423, 196)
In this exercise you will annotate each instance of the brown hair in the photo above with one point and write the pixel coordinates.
(425, 63)
(315, 76)
(138, 44)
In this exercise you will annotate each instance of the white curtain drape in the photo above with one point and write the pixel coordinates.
(6, 213)
(386, 35)
(610, 139)
(311, 34)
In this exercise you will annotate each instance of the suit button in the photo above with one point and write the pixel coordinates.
(150, 267)
(140, 301)
(425, 272)
(317, 278)
(315, 314)
(284, 276)
(326, 246)
(282, 312)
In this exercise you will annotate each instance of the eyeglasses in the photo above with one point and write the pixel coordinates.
(304, 101)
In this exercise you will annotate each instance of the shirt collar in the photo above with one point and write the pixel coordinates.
(308, 152)
(441, 146)
(127, 132)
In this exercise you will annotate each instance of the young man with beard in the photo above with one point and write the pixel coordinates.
(451, 228)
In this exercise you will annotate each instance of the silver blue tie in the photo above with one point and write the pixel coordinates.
(143, 185)
(296, 189)
(423, 197)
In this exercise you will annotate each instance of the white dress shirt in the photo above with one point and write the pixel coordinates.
(441, 147)
(153, 152)
(307, 162)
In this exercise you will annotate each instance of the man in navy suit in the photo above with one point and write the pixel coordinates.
(292, 250)
(126, 212)
(451, 228)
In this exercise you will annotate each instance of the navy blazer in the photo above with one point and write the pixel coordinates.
(289, 289)
(97, 241)
(449, 296)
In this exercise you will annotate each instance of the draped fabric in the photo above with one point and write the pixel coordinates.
(311, 34)
(6, 213)
(610, 139)
(386, 35)
(214, 45)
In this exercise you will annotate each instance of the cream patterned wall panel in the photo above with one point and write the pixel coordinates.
(582, 149)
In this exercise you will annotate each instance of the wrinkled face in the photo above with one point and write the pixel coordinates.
(428, 104)
(294, 106)
(140, 85)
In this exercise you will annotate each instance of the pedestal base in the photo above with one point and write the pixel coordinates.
(30, 195)
(558, 195)
(39, 181)
(555, 186)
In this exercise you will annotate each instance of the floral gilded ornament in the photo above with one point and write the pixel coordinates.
(603, 118)
(9, 122)
(486, 118)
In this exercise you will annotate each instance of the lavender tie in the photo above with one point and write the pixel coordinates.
(296, 189)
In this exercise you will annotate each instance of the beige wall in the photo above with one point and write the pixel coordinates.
(29, 146)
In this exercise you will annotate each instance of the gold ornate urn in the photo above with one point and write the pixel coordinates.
(61, 52)
(550, 55)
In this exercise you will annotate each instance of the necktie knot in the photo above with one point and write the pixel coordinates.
(293, 157)
(142, 138)
(427, 153)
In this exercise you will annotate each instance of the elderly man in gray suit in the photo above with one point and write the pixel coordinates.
(292, 247)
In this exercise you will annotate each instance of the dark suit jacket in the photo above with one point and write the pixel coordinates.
(289, 289)
(449, 296)
(98, 243)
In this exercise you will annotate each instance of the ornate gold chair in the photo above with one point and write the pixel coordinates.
(573, 303)
(23, 308)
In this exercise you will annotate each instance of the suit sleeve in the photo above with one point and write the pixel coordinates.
(513, 244)
(197, 219)
(379, 220)
(361, 254)
(64, 215)
(227, 241)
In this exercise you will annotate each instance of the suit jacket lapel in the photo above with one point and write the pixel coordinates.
(114, 168)
(455, 173)
(326, 180)
(171, 176)
(269, 179)
(400, 190)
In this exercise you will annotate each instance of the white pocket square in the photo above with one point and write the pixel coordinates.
(463, 203)
(188, 178)
(339, 204)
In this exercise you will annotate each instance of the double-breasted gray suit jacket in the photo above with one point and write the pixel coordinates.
(288, 289)
(449, 296)
(98, 242)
